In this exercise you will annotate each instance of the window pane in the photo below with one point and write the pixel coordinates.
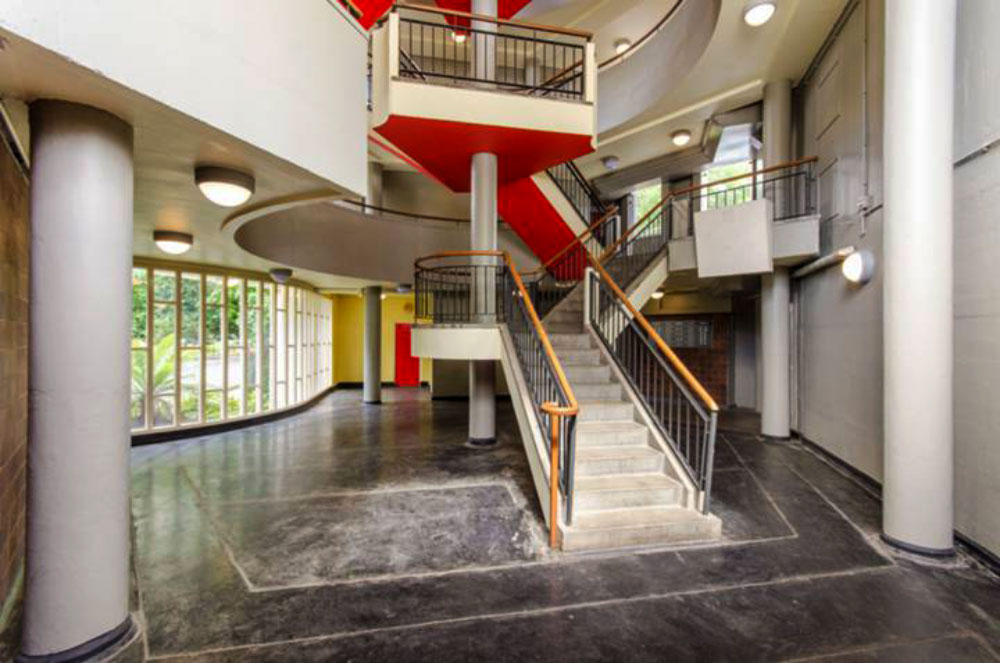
(213, 290)
(267, 338)
(235, 320)
(163, 285)
(190, 386)
(164, 351)
(235, 404)
(191, 309)
(140, 296)
(234, 378)
(138, 403)
(213, 347)
(251, 331)
(251, 401)
(213, 406)
(253, 294)
(163, 411)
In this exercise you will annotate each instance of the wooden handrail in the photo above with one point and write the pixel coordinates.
(643, 39)
(569, 32)
(549, 407)
(691, 189)
(678, 365)
(579, 239)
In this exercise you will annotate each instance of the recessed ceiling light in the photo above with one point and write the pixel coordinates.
(859, 267)
(610, 162)
(757, 14)
(681, 137)
(174, 243)
(224, 186)
(622, 45)
(658, 294)
(280, 274)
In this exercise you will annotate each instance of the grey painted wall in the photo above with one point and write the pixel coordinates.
(977, 273)
(839, 329)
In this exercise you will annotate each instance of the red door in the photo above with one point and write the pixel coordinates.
(407, 366)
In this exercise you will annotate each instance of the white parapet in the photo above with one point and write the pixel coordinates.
(458, 342)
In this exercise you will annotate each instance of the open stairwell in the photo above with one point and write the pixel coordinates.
(625, 492)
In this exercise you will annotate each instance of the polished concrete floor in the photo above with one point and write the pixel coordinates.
(372, 533)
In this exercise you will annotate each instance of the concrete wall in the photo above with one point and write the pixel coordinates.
(977, 286)
(348, 336)
(286, 77)
(839, 339)
(13, 368)
(840, 355)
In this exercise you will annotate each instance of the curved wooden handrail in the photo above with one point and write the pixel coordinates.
(525, 25)
(579, 239)
(678, 365)
(691, 189)
(413, 215)
(549, 407)
(643, 39)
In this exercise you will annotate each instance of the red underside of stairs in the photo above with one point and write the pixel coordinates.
(529, 213)
(372, 10)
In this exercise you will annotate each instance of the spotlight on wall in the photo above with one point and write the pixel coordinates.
(459, 36)
(622, 45)
(280, 274)
(171, 242)
(610, 162)
(681, 137)
(859, 267)
(224, 186)
(757, 14)
(658, 294)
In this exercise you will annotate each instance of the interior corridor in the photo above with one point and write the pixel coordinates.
(374, 533)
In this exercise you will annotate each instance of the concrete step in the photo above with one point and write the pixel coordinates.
(643, 526)
(601, 461)
(574, 341)
(598, 391)
(584, 374)
(565, 315)
(564, 327)
(620, 491)
(610, 434)
(606, 410)
(579, 356)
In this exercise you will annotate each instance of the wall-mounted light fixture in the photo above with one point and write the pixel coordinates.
(622, 45)
(610, 162)
(757, 14)
(174, 243)
(859, 267)
(681, 137)
(280, 275)
(224, 186)
(658, 294)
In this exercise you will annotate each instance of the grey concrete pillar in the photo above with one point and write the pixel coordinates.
(775, 294)
(917, 494)
(77, 580)
(482, 394)
(373, 345)
(484, 45)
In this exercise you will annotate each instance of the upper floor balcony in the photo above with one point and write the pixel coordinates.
(448, 84)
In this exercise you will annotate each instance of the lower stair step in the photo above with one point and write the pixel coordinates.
(610, 433)
(600, 461)
(619, 528)
(618, 491)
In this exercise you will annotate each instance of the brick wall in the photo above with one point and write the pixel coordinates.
(13, 366)
(709, 365)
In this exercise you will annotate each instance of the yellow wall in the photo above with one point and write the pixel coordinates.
(349, 330)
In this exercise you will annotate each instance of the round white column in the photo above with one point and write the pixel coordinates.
(482, 374)
(372, 392)
(774, 288)
(917, 507)
(77, 580)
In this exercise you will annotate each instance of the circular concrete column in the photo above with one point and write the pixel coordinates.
(917, 495)
(775, 294)
(482, 374)
(77, 580)
(372, 392)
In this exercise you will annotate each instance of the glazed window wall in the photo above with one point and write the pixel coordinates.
(210, 347)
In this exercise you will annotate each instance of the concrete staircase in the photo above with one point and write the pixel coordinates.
(624, 495)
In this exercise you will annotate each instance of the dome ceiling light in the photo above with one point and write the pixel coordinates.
(622, 45)
(174, 243)
(681, 137)
(280, 275)
(610, 162)
(859, 267)
(658, 294)
(224, 186)
(757, 14)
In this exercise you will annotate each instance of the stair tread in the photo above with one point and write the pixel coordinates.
(632, 518)
(609, 426)
(605, 401)
(611, 482)
(616, 451)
